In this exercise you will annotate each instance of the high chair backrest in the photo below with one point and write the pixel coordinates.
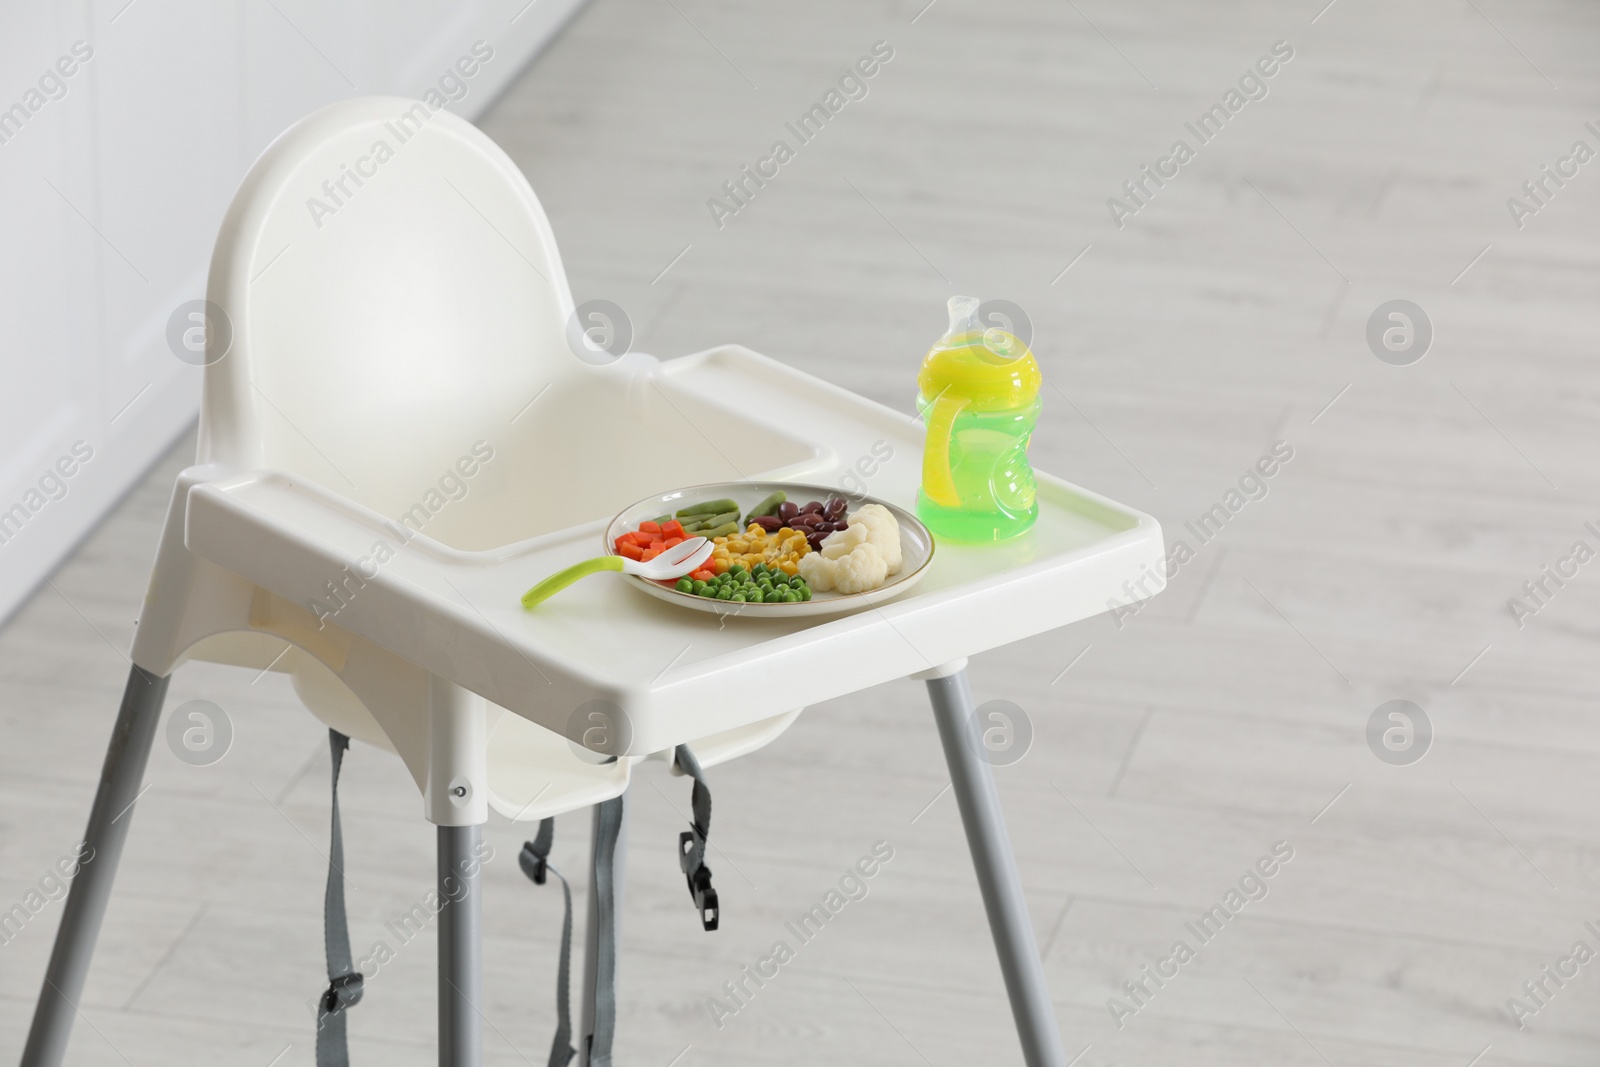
(394, 293)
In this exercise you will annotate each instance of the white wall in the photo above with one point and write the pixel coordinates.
(113, 181)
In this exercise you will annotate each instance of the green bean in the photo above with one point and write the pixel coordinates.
(709, 507)
(768, 506)
(701, 523)
(727, 529)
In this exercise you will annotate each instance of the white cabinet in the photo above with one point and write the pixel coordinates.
(124, 129)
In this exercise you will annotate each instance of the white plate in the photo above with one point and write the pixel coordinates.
(916, 548)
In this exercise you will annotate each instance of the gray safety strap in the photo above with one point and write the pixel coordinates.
(692, 842)
(608, 827)
(535, 863)
(344, 981)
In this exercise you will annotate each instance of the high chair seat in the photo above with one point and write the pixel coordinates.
(400, 440)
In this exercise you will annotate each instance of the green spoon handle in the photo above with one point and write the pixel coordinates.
(561, 579)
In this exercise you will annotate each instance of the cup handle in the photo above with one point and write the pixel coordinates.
(938, 483)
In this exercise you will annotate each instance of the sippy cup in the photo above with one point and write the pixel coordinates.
(978, 393)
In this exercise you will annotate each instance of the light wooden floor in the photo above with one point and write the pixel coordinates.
(1227, 315)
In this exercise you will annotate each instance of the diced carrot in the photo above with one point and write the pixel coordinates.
(650, 527)
(639, 538)
(672, 528)
(669, 542)
(631, 551)
(650, 554)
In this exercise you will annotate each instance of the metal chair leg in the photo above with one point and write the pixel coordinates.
(460, 948)
(606, 876)
(120, 778)
(972, 780)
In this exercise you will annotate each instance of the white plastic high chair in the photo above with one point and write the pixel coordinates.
(400, 439)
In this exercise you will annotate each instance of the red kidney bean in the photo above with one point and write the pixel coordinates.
(768, 523)
(834, 511)
(806, 519)
(813, 507)
(787, 511)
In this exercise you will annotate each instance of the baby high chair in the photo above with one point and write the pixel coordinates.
(397, 439)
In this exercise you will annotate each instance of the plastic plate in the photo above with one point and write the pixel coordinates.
(916, 548)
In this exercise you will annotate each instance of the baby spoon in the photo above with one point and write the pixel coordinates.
(675, 562)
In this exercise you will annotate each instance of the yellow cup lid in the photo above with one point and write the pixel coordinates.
(991, 369)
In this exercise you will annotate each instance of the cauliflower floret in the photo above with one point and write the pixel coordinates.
(882, 530)
(842, 541)
(856, 571)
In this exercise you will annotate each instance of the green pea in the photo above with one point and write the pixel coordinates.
(791, 597)
(737, 598)
(685, 585)
(736, 571)
(805, 592)
(697, 587)
(725, 592)
(773, 596)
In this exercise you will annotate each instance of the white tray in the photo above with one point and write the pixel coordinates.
(680, 675)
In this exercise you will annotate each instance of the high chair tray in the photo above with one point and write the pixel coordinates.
(677, 675)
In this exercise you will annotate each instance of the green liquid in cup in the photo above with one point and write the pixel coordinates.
(989, 464)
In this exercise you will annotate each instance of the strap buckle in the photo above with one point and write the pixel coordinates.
(691, 861)
(534, 864)
(344, 991)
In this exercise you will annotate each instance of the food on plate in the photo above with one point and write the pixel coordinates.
(767, 507)
(708, 508)
(882, 530)
(759, 585)
(844, 541)
(781, 549)
(815, 519)
(860, 556)
(650, 539)
(701, 523)
(856, 571)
